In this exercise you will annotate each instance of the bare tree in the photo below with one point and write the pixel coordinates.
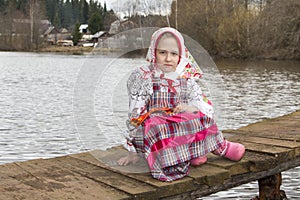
(36, 14)
(242, 28)
(277, 29)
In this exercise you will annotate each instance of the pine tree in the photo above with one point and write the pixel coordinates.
(56, 21)
(95, 23)
(3, 5)
(85, 12)
(76, 34)
(68, 20)
(50, 10)
(76, 10)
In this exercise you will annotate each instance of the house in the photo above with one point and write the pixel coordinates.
(84, 28)
(28, 33)
(22, 26)
(64, 34)
(100, 36)
(120, 26)
(51, 35)
(120, 40)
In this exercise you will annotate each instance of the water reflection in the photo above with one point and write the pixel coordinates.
(260, 89)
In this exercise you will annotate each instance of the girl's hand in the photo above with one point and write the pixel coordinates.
(185, 108)
(130, 158)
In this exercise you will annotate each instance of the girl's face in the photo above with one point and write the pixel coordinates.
(167, 54)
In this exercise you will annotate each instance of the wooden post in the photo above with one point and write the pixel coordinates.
(269, 188)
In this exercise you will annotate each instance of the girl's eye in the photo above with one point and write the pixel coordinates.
(162, 52)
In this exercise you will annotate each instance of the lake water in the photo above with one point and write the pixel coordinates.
(53, 105)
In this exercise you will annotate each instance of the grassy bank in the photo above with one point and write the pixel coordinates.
(65, 49)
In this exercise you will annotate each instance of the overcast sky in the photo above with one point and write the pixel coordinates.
(143, 7)
(108, 3)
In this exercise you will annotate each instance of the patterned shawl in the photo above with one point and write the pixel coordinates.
(187, 66)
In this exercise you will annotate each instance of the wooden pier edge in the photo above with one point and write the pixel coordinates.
(272, 146)
(238, 180)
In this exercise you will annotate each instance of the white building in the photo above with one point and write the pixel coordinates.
(83, 28)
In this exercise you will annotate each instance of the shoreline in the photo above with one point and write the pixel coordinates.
(139, 53)
(79, 50)
(64, 49)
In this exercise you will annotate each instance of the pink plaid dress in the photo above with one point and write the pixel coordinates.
(169, 142)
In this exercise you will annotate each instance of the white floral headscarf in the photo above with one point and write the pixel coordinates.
(187, 66)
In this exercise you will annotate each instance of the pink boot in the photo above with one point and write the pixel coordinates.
(199, 161)
(235, 151)
(231, 150)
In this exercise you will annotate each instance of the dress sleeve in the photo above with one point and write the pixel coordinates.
(198, 99)
(139, 89)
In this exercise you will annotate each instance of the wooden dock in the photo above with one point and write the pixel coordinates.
(272, 146)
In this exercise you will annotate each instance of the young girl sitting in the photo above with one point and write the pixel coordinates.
(170, 120)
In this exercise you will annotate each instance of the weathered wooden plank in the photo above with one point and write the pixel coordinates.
(12, 189)
(113, 179)
(112, 155)
(236, 180)
(285, 128)
(289, 135)
(11, 169)
(280, 153)
(176, 187)
(233, 167)
(260, 162)
(62, 183)
(209, 174)
(272, 147)
(269, 141)
(101, 175)
(163, 189)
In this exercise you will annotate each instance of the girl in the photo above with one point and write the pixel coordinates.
(170, 121)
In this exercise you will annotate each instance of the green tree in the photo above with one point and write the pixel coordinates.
(76, 10)
(3, 5)
(95, 23)
(56, 21)
(104, 8)
(93, 7)
(85, 12)
(76, 34)
(22, 5)
(50, 10)
(67, 14)
(109, 18)
(60, 11)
